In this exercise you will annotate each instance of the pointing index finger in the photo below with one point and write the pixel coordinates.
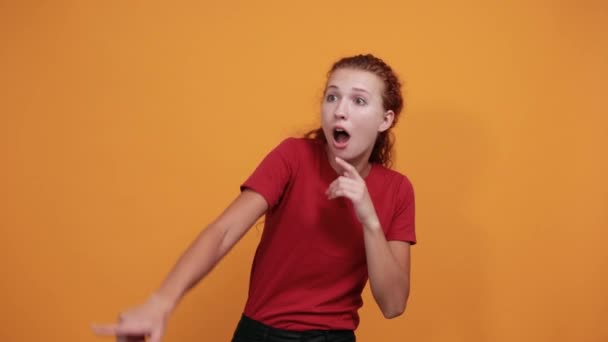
(349, 169)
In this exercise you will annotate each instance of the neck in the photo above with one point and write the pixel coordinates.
(360, 163)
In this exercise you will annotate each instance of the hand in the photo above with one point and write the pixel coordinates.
(134, 325)
(352, 186)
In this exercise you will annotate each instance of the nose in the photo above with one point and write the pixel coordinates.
(341, 110)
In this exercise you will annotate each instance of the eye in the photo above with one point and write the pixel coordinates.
(360, 101)
(330, 98)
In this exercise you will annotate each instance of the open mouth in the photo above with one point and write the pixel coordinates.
(341, 136)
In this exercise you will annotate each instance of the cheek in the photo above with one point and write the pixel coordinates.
(326, 112)
(367, 131)
(368, 120)
(325, 117)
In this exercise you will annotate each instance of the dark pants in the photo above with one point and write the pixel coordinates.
(249, 330)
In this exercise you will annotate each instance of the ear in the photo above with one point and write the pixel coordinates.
(387, 121)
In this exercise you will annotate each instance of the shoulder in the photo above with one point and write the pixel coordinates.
(293, 153)
(297, 148)
(298, 143)
(393, 179)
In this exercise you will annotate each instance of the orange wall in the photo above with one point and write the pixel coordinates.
(126, 126)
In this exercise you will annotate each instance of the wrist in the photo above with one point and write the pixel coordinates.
(165, 302)
(372, 224)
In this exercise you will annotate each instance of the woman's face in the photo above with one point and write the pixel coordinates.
(352, 113)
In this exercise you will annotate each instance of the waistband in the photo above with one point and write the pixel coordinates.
(267, 333)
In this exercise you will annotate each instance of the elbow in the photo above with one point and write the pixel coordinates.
(394, 308)
(393, 312)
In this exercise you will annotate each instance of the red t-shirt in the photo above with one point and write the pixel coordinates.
(310, 268)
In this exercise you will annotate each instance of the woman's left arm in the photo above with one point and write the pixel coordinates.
(388, 266)
(388, 262)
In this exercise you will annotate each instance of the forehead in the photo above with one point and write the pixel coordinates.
(346, 79)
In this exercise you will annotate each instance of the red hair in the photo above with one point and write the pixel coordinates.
(382, 153)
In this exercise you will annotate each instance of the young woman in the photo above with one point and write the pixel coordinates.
(336, 216)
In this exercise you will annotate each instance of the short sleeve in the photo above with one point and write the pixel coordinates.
(403, 227)
(274, 173)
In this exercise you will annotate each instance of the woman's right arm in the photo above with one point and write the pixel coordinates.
(196, 262)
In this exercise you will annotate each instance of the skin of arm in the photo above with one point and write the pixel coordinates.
(388, 265)
(209, 247)
(212, 244)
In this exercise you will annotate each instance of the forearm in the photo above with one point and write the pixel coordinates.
(193, 265)
(211, 245)
(389, 281)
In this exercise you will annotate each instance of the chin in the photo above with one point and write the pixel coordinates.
(346, 154)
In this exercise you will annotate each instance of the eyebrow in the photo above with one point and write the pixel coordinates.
(358, 89)
(361, 89)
